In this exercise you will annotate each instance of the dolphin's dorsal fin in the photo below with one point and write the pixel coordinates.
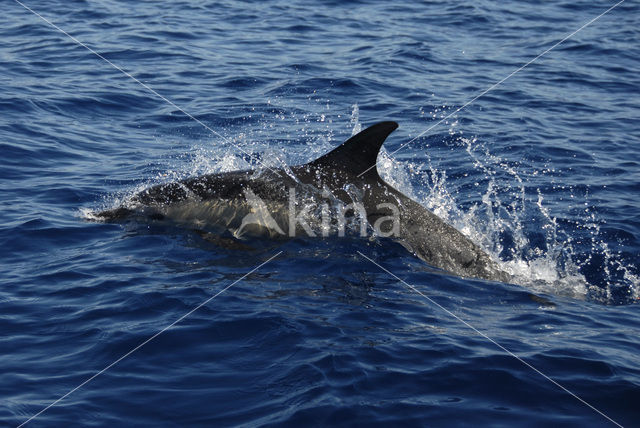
(359, 153)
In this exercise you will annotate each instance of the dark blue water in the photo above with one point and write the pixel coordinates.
(543, 172)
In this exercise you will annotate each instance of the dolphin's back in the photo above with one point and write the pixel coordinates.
(348, 172)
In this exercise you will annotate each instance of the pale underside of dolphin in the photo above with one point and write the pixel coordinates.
(320, 197)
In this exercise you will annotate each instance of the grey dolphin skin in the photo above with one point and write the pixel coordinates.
(246, 201)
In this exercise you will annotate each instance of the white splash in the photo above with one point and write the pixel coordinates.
(356, 127)
(505, 209)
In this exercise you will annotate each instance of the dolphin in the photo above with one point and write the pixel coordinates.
(344, 182)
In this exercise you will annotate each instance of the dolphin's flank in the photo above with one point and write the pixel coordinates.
(341, 182)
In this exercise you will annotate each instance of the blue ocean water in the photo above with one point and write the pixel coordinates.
(542, 171)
